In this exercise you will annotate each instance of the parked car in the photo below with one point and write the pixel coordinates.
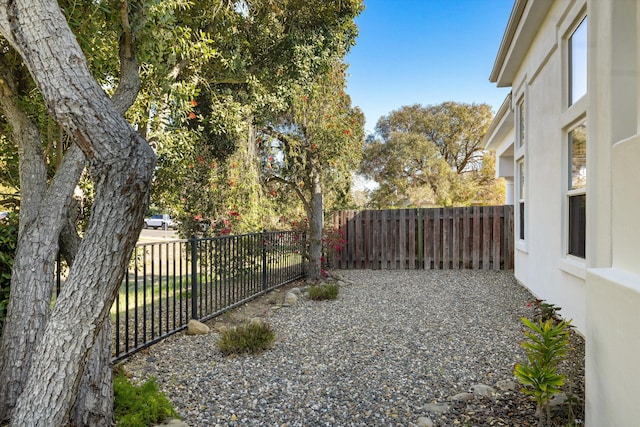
(163, 221)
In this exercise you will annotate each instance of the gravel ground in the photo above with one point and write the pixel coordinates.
(398, 348)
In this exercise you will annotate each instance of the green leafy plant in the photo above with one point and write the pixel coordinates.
(544, 310)
(139, 406)
(327, 291)
(8, 240)
(247, 338)
(547, 345)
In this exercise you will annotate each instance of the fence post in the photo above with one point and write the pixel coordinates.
(264, 260)
(194, 277)
(420, 239)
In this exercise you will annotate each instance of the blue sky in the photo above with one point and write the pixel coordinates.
(425, 52)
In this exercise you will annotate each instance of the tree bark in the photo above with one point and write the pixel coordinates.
(121, 164)
(31, 288)
(94, 404)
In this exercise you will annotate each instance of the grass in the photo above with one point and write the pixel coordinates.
(247, 338)
(139, 406)
(145, 295)
(327, 291)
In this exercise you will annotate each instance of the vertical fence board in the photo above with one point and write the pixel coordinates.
(427, 241)
(486, 237)
(375, 244)
(366, 240)
(411, 239)
(508, 237)
(437, 239)
(497, 238)
(455, 247)
(466, 238)
(475, 253)
(446, 237)
(384, 240)
(350, 239)
(402, 240)
(393, 246)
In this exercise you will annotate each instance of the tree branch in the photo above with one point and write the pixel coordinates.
(129, 82)
(294, 187)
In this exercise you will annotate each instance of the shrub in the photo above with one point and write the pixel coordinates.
(327, 291)
(247, 338)
(139, 406)
(544, 310)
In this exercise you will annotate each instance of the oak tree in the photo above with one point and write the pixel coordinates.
(432, 156)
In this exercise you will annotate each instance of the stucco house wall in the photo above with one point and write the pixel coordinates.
(600, 292)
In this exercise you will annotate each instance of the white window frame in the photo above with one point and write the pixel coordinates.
(570, 191)
(570, 56)
(574, 114)
(521, 217)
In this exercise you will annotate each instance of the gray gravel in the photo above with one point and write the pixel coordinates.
(393, 350)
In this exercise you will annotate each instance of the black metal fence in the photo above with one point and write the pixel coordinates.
(168, 283)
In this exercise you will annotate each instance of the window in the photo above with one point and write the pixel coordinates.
(576, 190)
(521, 195)
(520, 171)
(578, 62)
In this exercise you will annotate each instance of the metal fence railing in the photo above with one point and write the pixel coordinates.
(168, 283)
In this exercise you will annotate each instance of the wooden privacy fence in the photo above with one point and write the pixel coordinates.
(441, 238)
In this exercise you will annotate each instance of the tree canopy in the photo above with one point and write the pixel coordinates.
(432, 156)
(265, 53)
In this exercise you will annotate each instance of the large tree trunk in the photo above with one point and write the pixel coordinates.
(31, 287)
(316, 223)
(121, 164)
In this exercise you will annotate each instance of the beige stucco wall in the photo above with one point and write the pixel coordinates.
(601, 293)
(613, 348)
(613, 281)
(541, 263)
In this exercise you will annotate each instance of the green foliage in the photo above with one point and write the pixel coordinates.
(251, 338)
(321, 131)
(325, 291)
(546, 347)
(139, 406)
(231, 67)
(8, 240)
(544, 311)
(432, 156)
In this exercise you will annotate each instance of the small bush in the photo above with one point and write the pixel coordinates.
(139, 406)
(248, 338)
(327, 291)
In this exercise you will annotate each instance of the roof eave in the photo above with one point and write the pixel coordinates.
(502, 123)
(524, 22)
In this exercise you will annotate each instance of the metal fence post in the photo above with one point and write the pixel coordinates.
(194, 277)
(264, 260)
(420, 237)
